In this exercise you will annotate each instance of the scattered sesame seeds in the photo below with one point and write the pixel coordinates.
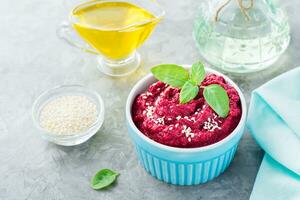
(211, 125)
(149, 112)
(184, 129)
(188, 132)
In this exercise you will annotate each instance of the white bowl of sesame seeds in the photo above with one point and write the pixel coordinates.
(68, 115)
(183, 166)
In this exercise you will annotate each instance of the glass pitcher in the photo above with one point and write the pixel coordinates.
(241, 36)
(113, 30)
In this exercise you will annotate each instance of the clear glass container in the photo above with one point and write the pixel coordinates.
(76, 138)
(241, 42)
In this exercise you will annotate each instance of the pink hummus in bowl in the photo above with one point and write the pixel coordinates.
(158, 114)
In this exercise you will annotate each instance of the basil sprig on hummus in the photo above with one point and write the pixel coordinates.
(176, 76)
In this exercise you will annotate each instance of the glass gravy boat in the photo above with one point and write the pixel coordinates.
(113, 30)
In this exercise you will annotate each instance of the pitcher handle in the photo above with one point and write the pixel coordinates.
(67, 33)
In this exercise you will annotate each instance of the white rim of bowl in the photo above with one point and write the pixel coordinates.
(99, 120)
(241, 123)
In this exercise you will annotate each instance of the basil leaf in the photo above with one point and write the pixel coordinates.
(103, 178)
(198, 73)
(188, 92)
(217, 98)
(171, 74)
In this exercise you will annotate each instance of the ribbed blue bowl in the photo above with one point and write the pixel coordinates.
(183, 166)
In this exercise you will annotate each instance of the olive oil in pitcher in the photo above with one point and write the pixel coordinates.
(114, 29)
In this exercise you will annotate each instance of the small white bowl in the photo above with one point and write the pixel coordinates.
(76, 138)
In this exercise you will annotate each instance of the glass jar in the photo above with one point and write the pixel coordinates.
(241, 38)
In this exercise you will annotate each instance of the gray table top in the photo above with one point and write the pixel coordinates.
(33, 59)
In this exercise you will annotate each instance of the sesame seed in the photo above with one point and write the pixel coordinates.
(160, 120)
(156, 101)
(178, 117)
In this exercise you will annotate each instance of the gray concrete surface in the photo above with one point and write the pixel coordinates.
(33, 59)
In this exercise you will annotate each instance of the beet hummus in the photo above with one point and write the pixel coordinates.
(158, 114)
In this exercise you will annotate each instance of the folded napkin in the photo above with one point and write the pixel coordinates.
(274, 122)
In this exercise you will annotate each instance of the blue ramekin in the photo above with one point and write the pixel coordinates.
(183, 166)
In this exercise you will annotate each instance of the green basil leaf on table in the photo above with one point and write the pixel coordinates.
(103, 178)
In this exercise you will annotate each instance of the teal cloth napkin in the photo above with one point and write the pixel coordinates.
(274, 122)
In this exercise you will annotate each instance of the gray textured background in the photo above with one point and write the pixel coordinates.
(33, 59)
